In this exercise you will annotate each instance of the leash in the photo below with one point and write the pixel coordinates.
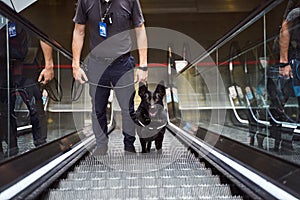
(77, 88)
(55, 96)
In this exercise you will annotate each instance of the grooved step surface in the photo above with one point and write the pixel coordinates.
(158, 182)
(174, 173)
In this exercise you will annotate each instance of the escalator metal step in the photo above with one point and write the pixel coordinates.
(139, 183)
(153, 158)
(141, 162)
(173, 166)
(202, 192)
(120, 175)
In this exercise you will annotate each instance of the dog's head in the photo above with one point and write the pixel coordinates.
(151, 117)
(152, 101)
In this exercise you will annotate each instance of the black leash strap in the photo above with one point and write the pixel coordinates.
(54, 90)
(76, 90)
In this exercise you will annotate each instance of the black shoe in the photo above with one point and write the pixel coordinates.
(39, 143)
(100, 151)
(129, 149)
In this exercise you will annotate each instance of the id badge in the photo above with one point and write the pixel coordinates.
(103, 29)
(12, 29)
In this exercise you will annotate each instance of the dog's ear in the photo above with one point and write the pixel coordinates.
(143, 89)
(160, 88)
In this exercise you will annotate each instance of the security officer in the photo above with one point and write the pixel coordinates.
(110, 62)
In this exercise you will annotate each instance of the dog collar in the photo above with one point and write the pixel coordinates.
(151, 128)
(160, 127)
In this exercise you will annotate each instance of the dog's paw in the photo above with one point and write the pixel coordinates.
(159, 151)
(145, 151)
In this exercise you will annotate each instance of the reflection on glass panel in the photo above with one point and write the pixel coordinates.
(4, 97)
(32, 113)
(22, 93)
(237, 90)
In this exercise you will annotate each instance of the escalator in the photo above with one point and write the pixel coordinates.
(174, 174)
(201, 165)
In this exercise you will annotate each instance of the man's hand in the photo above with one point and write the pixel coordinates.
(79, 75)
(46, 75)
(141, 75)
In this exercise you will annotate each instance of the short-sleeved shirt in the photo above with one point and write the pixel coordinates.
(292, 16)
(292, 4)
(124, 15)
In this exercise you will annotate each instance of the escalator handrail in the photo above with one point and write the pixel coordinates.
(243, 121)
(261, 185)
(259, 121)
(256, 14)
(33, 180)
(35, 177)
(11, 14)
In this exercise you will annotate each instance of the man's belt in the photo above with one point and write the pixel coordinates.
(109, 60)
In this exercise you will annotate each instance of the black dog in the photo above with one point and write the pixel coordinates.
(151, 117)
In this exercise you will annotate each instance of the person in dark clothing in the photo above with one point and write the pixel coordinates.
(289, 46)
(289, 42)
(14, 85)
(110, 63)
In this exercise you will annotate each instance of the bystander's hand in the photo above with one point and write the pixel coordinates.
(46, 75)
(286, 71)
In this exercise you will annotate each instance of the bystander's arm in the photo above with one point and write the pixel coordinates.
(284, 48)
(47, 74)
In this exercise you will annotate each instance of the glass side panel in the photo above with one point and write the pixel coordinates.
(33, 114)
(4, 91)
(213, 93)
(237, 90)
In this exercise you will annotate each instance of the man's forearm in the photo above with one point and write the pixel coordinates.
(77, 45)
(142, 44)
(284, 42)
(47, 52)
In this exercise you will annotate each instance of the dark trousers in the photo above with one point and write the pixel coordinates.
(119, 75)
(32, 97)
(28, 90)
(8, 131)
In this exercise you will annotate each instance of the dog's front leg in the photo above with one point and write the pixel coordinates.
(159, 139)
(143, 144)
(149, 143)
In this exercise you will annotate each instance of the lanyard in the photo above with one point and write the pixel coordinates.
(106, 11)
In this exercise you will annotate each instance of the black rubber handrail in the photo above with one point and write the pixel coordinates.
(218, 150)
(38, 158)
(256, 14)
